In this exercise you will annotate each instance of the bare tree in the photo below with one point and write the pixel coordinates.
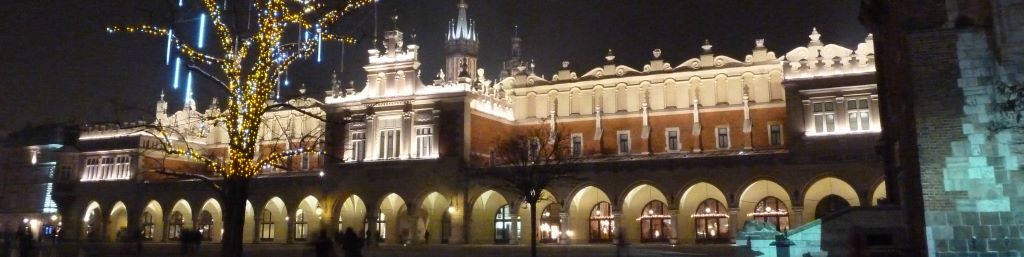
(247, 64)
(529, 160)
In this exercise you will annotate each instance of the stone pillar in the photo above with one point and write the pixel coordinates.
(371, 226)
(617, 218)
(796, 217)
(459, 220)
(674, 233)
(735, 222)
(289, 223)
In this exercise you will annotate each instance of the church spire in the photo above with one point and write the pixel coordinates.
(462, 27)
(462, 45)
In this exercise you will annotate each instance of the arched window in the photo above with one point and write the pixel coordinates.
(148, 228)
(602, 223)
(503, 225)
(177, 223)
(655, 225)
(550, 225)
(382, 226)
(300, 225)
(446, 227)
(206, 225)
(266, 226)
(830, 204)
(711, 221)
(774, 211)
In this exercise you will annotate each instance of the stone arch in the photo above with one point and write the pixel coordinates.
(759, 190)
(523, 211)
(878, 193)
(92, 218)
(152, 226)
(482, 220)
(181, 209)
(117, 226)
(352, 213)
(688, 203)
(823, 188)
(306, 218)
(393, 217)
(633, 204)
(212, 226)
(275, 227)
(581, 209)
(429, 218)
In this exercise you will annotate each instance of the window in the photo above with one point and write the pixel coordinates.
(711, 221)
(300, 225)
(775, 134)
(93, 224)
(655, 225)
(266, 226)
(602, 223)
(772, 210)
(304, 164)
(106, 167)
(550, 225)
(577, 145)
(148, 228)
(92, 169)
(624, 142)
(503, 225)
(390, 141)
(177, 223)
(424, 142)
(824, 116)
(672, 139)
(122, 168)
(859, 114)
(382, 226)
(723, 137)
(358, 146)
(206, 225)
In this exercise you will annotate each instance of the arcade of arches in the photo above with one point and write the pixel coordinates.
(644, 213)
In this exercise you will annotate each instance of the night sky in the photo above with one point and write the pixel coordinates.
(58, 64)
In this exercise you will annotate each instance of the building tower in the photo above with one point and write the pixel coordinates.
(515, 59)
(461, 47)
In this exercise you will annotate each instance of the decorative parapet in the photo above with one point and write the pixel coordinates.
(824, 60)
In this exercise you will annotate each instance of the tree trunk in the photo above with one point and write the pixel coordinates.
(236, 191)
(533, 228)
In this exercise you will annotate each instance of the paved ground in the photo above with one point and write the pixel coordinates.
(300, 250)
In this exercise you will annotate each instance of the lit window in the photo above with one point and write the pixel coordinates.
(711, 221)
(358, 146)
(672, 139)
(92, 169)
(602, 223)
(824, 117)
(534, 149)
(300, 225)
(177, 224)
(503, 225)
(859, 114)
(148, 227)
(623, 142)
(390, 141)
(304, 165)
(775, 134)
(723, 137)
(773, 211)
(655, 225)
(424, 142)
(266, 226)
(577, 145)
(206, 225)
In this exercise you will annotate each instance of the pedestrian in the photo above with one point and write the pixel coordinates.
(183, 238)
(426, 237)
(323, 246)
(351, 243)
(197, 239)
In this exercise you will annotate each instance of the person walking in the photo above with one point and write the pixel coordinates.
(352, 244)
(426, 237)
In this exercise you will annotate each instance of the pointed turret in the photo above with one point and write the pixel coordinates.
(462, 45)
(161, 108)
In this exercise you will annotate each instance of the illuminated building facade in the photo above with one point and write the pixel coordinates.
(28, 161)
(682, 152)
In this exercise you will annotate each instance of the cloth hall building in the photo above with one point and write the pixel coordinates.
(680, 151)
